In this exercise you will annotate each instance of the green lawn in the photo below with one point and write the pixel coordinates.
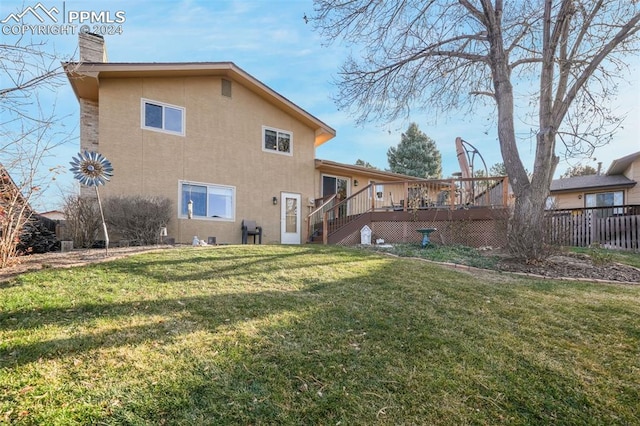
(312, 335)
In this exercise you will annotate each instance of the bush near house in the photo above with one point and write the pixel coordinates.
(36, 237)
(82, 220)
(136, 218)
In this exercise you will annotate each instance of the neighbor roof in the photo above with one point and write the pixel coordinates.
(618, 166)
(84, 78)
(590, 182)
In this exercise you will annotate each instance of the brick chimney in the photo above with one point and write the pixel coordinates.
(92, 48)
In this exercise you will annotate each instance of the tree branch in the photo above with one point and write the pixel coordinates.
(629, 29)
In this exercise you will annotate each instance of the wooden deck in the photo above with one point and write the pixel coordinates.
(393, 210)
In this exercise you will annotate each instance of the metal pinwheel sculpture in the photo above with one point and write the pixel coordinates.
(93, 169)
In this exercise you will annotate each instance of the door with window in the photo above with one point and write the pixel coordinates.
(335, 185)
(290, 218)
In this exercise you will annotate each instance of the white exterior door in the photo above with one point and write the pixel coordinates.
(289, 218)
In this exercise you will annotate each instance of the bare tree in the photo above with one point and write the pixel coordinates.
(559, 58)
(82, 220)
(29, 131)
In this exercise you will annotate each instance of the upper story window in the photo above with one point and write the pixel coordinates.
(162, 117)
(604, 199)
(276, 140)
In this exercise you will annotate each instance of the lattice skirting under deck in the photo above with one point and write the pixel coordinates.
(472, 233)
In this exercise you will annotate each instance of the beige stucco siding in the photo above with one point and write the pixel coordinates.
(222, 145)
(633, 173)
(575, 200)
(568, 200)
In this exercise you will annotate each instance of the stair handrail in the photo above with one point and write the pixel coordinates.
(319, 211)
(348, 210)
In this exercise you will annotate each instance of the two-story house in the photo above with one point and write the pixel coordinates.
(224, 148)
(209, 136)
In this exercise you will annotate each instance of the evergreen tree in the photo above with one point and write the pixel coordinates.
(416, 155)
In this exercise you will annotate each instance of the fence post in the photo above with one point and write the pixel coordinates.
(372, 189)
(452, 194)
(406, 196)
(505, 191)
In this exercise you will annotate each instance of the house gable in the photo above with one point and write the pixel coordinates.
(86, 78)
(197, 132)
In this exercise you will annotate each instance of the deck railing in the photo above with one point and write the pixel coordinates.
(409, 196)
(315, 218)
(441, 193)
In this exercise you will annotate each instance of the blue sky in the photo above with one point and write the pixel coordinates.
(270, 40)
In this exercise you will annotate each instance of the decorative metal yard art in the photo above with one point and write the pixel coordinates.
(93, 169)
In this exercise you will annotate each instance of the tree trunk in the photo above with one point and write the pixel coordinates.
(526, 232)
(525, 237)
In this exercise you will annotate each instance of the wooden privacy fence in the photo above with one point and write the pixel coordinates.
(610, 227)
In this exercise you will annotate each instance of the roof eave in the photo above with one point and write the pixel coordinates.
(84, 80)
(352, 168)
(594, 188)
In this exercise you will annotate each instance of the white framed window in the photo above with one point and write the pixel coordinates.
(276, 140)
(162, 117)
(605, 199)
(209, 201)
(378, 192)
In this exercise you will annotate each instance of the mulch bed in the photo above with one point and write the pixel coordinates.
(574, 265)
(71, 258)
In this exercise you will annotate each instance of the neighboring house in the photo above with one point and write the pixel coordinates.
(56, 215)
(55, 221)
(617, 187)
(598, 209)
(205, 133)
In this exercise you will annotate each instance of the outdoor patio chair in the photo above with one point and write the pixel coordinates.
(249, 227)
(396, 206)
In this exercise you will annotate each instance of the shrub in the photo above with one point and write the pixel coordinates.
(36, 237)
(82, 220)
(136, 218)
(600, 256)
